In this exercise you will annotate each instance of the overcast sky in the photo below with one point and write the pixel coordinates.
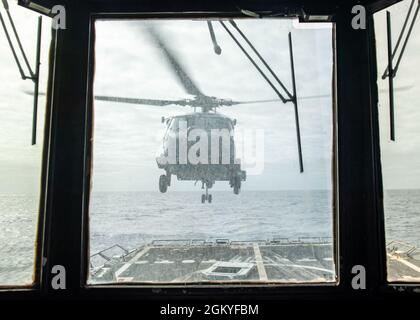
(127, 137)
(19, 161)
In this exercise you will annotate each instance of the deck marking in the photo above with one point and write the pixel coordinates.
(403, 261)
(260, 263)
(163, 262)
(188, 261)
(131, 262)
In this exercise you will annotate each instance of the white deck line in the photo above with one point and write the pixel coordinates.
(403, 261)
(131, 262)
(260, 263)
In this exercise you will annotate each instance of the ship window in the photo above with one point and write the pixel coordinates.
(20, 162)
(400, 158)
(254, 218)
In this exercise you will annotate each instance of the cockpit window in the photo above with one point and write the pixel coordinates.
(20, 160)
(253, 204)
(399, 118)
(209, 123)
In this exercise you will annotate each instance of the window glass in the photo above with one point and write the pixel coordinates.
(400, 158)
(20, 162)
(196, 173)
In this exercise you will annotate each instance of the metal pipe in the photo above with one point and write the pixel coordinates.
(20, 44)
(36, 80)
(386, 72)
(390, 77)
(407, 38)
(292, 66)
(12, 48)
(216, 47)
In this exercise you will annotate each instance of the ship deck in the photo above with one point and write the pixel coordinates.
(197, 261)
(220, 261)
(403, 262)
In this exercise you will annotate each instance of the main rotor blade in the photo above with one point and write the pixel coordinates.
(175, 64)
(398, 89)
(255, 101)
(150, 102)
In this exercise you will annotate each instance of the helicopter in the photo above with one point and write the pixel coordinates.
(213, 167)
(209, 163)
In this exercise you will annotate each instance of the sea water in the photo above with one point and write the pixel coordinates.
(132, 219)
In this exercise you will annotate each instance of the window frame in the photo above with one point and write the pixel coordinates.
(43, 185)
(64, 222)
(396, 284)
(89, 138)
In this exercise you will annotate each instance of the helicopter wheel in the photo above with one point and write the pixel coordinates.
(206, 196)
(163, 183)
(237, 185)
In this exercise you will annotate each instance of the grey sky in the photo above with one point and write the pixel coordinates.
(19, 161)
(127, 137)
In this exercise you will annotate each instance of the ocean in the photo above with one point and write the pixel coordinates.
(132, 219)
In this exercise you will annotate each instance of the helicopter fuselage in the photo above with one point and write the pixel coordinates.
(201, 147)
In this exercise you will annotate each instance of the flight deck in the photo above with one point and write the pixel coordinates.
(183, 261)
(304, 260)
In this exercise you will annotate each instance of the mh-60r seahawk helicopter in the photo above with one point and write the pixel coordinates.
(207, 119)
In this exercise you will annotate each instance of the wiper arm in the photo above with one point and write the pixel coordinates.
(386, 72)
(390, 70)
(216, 47)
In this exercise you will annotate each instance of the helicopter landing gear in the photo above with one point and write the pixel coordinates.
(206, 196)
(164, 183)
(236, 184)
